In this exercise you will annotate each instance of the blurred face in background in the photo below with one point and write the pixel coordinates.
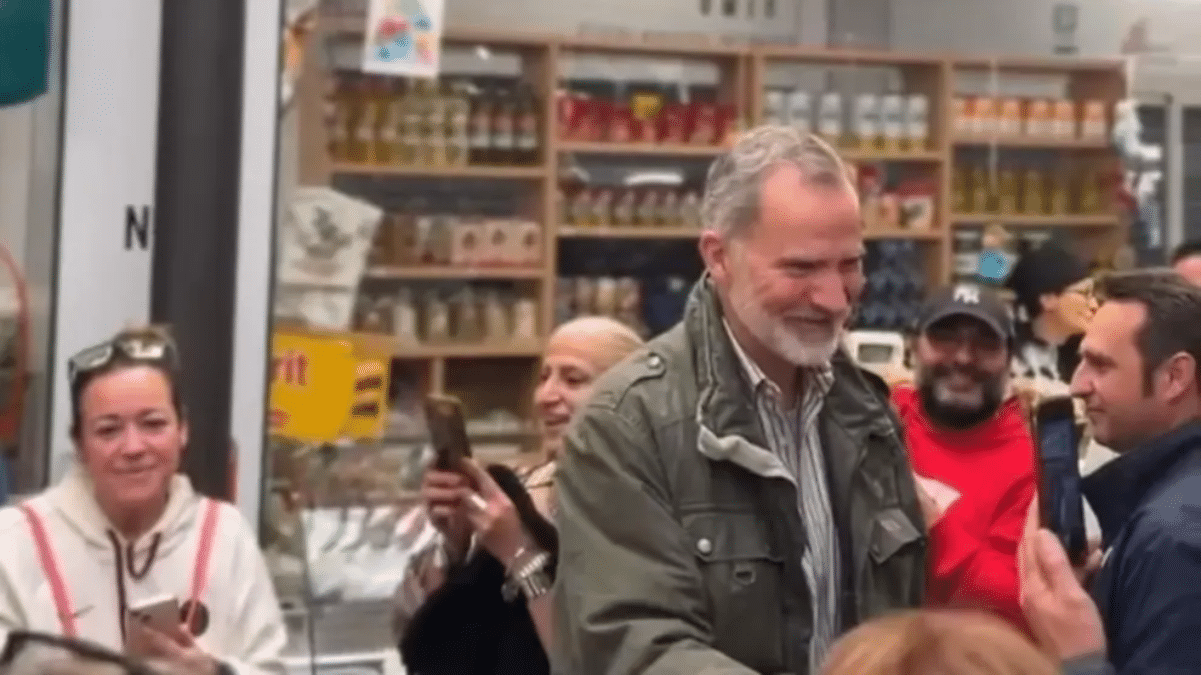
(1072, 308)
(961, 370)
(792, 278)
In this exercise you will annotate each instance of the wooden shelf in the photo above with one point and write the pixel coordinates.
(1025, 220)
(867, 156)
(453, 273)
(1036, 142)
(915, 235)
(465, 172)
(660, 149)
(744, 74)
(632, 232)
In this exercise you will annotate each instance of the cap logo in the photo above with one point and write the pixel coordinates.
(968, 295)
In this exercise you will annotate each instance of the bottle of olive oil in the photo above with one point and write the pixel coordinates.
(1090, 192)
(1061, 191)
(1007, 191)
(981, 191)
(1034, 196)
(961, 195)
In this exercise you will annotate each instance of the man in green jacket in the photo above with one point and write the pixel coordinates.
(736, 495)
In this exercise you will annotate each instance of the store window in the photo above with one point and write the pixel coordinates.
(31, 48)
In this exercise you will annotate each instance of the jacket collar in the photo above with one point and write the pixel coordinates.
(728, 426)
(1115, 491)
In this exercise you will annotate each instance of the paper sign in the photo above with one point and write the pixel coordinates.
(404, 37)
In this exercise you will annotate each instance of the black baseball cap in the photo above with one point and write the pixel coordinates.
(979, 302)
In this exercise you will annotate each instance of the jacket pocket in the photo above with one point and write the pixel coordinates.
(743, 583)
(896, 564)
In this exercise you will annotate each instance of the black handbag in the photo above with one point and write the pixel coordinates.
(466, 627)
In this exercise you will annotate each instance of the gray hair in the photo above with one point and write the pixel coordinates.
(731, 201)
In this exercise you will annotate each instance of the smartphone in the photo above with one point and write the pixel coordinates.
(160, 612)
(1060, 502)
(448, 431)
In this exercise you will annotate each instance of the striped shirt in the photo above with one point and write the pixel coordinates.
(792, 434)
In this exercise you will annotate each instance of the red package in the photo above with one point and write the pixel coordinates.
(704, 124)
(726, 123)
(673, 123)
(621, 125)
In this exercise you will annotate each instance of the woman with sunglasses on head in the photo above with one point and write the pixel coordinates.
(124, 527)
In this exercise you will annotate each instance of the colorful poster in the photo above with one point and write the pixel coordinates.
(403, 37)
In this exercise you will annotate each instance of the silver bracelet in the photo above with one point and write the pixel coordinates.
(528, 577)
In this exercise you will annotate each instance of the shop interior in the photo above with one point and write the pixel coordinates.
(432, 229)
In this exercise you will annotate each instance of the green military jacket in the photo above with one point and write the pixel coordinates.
(680, 539)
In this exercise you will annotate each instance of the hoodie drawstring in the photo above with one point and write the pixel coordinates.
(125, 563)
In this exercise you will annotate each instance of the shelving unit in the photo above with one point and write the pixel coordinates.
(734, 79)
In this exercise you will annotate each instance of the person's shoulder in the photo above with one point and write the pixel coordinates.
(643, 376)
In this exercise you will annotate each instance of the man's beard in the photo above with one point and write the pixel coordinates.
(775, 335)
(955, 415)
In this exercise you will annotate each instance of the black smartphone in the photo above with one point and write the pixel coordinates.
(1060, 503)
(448, 431)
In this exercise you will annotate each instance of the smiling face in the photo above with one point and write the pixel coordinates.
(962, 369)
(130, 438)
(1072, 308)
(569, 367)
(792, 277)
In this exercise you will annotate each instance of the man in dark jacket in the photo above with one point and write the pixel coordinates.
(1140, 380)
(736, 495)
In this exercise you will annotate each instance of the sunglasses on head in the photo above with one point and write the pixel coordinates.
(142, 348)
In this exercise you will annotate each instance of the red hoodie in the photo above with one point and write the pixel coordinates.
(973, 556)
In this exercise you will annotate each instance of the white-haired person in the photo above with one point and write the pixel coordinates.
(124, 527)
(476, 601)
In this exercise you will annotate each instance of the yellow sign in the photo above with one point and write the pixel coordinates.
(326, 388)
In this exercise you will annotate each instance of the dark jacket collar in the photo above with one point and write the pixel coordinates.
(1115, 491)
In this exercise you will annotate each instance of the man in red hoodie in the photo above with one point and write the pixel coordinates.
(970, 446)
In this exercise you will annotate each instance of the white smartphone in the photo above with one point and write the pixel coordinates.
(160, 612)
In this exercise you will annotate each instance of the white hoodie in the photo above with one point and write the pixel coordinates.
(245, 628)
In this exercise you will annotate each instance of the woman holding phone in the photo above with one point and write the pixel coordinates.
(479, 521)
(122, 552)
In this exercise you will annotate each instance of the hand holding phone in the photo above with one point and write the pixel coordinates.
(448, 431)
(1060, 502)
(160, 612)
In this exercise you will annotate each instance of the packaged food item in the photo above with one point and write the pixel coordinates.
(961, 114)
(775, 107)
(673, 123)
(1009, 117)
(1007, 191)
(894, 122)
(984, 116)
(1094, 120)
(829, 118)
(468, 243)
(705, 124)
(917, 122)
(917, 198)
(866, 122)
(1039, 122)
(1065, 120)
(961, 195)
(624, 209)
(800, 111)
(528, 236)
